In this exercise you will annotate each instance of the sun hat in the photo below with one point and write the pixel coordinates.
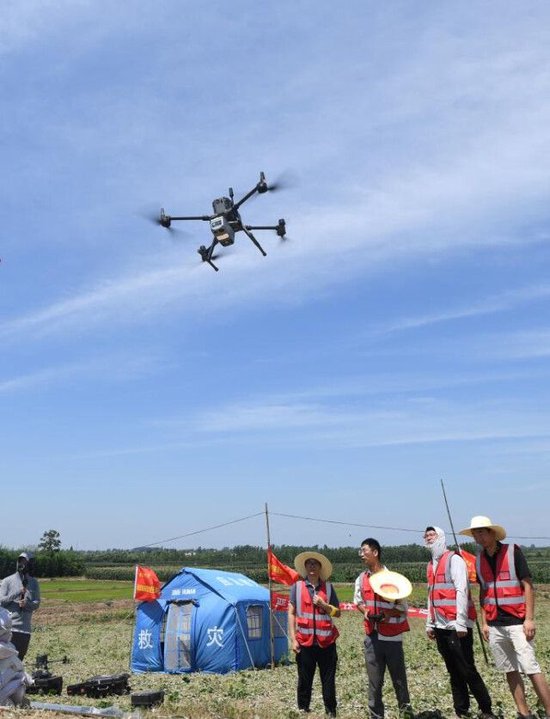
(390, 585)
(481, 522)
(301, 559)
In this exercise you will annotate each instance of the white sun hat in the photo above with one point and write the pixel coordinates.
(390, 585)
(481, 522)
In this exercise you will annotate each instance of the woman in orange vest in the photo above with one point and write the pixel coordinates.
(312, 606)
(508, 618)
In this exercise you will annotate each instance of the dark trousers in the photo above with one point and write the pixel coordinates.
(458, 655)
(20, 641)
(307, 659)
(380, 654)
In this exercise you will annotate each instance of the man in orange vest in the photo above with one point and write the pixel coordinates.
(385, 623)
(508, 618)
(312, 606)
(451, 616)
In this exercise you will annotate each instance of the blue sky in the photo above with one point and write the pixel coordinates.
(400, 336)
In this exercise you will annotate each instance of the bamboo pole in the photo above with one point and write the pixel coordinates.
(271, 627)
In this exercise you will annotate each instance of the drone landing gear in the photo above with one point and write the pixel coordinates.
(246, 230)
(206, 254)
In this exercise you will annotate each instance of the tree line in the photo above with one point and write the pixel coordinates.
(118, 564)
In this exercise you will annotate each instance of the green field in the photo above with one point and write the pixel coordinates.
(91, 622)
(84, 590)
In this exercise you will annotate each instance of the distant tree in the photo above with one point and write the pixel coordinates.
(50, 541)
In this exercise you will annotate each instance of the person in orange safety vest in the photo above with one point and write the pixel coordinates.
(451, 616)
(313, 604)
(385, 622)
(507, 599)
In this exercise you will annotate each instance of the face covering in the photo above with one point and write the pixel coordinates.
(439, 545)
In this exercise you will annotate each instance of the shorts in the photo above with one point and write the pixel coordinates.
(511, 650)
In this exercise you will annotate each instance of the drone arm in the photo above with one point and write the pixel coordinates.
(193, 217)
(280, 228)
(261, 227)
(246, 230)
(246, 197)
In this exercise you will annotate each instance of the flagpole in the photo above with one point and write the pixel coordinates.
(271, 628)
(134, 618)
(459, 550)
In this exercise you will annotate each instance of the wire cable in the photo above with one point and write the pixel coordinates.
(206, 529)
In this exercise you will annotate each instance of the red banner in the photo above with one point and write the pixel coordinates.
(279, 602)
(411, 612)
(279, 572)
(471, 564)
(147, 585)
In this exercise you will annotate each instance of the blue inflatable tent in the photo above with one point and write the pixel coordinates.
(207, 620)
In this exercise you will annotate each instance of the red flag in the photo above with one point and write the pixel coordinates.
(279, 572)
(146, 585)
(471, 564)
(279, 602)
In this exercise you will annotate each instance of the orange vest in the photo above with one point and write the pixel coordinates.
(313, 625)
(443, 592)
(503, 590)
(389, 626)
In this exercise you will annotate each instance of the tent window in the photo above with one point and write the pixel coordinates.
(254, 616)
(177, 636)
(279, 624)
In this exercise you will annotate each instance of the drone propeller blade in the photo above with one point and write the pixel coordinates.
(163, 220)
(283, 181)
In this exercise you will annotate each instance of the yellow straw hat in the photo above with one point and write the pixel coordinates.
(390, 585)
(300, 564)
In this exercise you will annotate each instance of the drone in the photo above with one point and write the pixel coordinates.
(226, 221)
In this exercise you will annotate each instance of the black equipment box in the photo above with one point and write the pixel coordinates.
(100, 686)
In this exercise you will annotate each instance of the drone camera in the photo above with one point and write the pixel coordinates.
(222, 231)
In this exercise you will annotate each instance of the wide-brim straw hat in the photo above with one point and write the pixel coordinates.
(390, 585)
(481, 522)
(300, 564)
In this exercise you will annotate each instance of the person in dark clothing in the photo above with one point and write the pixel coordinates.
(313, 605)
(20, 595)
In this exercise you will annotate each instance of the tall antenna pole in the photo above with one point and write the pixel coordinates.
(271, 619)
(459, 550)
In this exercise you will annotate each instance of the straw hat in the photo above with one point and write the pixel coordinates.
(300, 564)
(390, 585)
(481, 522)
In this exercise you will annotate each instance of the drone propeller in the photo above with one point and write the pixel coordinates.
(162, 219)
(282, 182)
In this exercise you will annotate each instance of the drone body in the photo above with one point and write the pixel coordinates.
(226, 221)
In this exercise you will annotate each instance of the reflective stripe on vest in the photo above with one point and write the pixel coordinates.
(502, 588)
(443, 591)
(312, 624)
(390, 626)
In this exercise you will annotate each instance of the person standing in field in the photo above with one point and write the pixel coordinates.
(507, 598)
(20, 595)
(385, 623)
(313, 604)
(451, 616)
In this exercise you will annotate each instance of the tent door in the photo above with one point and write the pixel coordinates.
(177, 637)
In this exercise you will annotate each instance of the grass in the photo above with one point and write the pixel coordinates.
(84, 590)
(96, 635)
